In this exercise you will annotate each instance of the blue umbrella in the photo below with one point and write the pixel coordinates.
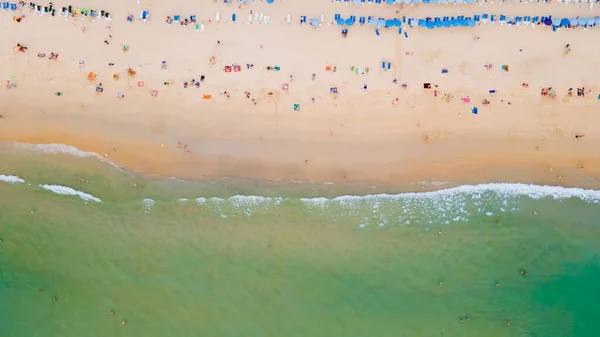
(548, 22)
(422, 23)
(430, 24)
(459, 1)
(446, 23)
(407, 2)
(556, 22)
(471, 23)
(270, 1)
(435, 1)
(426, 1)
(357, 2)
(389, 23)
(412, 22)
(349, 22)
(416, 1)
(314, 22)
(470, 1)
(590, 21)
(573, 21)
(381, 22)
(340, 22)
(597, 20)
(390, 2)
(397, 22)
(564, 22)
(438, 22)
(463, 22)
(373, 23)
(582, 21)
(454, 22)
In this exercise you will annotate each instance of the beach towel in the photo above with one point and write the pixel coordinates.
(466, 99)
(474, 111)
(444, 71)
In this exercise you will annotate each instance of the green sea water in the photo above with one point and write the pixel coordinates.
(203, 259)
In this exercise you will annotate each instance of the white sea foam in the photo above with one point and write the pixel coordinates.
(64, 190)
(503, 189)
(54, 148)
(11, 179)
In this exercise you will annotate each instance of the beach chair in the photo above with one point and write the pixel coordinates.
(377, 1)
(5, 6)
(362, 20)
(535, 20)
(13, 7)
(370, 1)
(382, 64)
(353, 18)
(389, 65)
(405, 35)
(377, 32)
(400, 31)
(233, 17)
(527, 20)
(303, 19)
(337, 16)
(145, 15)
(518, 20)
(494, 19)
(484, 18)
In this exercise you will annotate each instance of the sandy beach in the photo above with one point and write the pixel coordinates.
(394, 131)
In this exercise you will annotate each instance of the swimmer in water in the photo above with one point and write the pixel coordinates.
(441, 283)
(53, 299)
(124, 322)
(111, 313)
(508, 323)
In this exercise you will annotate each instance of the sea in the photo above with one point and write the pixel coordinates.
(91, 249)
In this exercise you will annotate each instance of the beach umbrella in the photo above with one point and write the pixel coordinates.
(597, 20)
(407, 1)
(459, 1)
(564, 22)
(582, 21)
(340, 22)
(590, 21)
(349, 22)
(389, 23)
(314, 22)
(412, 22)
(373, 23)
(454, 22)
(430, 25)
(397, 22)
(357, 2)
(435, 1)
(446, 23)
(381, 22)
(463, 22)
(390, 2)
(470, 1)
(426, 1)
(548, 22)
(270, 1)
(416, 1)
(422, 23)
(556, 22)
(573, 21)
(471, 23)
(438, 22)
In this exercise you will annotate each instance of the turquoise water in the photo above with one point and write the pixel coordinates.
(197, 259)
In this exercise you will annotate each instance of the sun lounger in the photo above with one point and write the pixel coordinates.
(362, 20)
(389, 65)
(377, 32)
(233, 17)
(5, 6)
(145, 15)
(377, 1)
(494, 19)
(405, 35)
(484, 18)
(337, 16)
(13, 7)
(303, 19)
(502, 19)
(518, 20)
(477, 18)
(383, 65)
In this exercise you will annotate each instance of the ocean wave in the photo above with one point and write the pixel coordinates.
(55, 148)
(502, 189)
(64, 190)
(11, 179)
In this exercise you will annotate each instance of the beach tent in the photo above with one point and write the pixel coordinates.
(340, 22)
(590, 21)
